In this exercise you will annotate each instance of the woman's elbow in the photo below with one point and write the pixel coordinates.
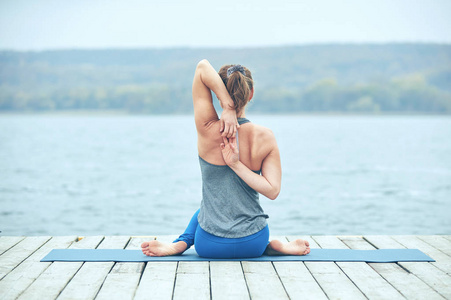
(202, 63)
(273, 194)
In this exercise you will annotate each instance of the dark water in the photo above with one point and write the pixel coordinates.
(139, 175)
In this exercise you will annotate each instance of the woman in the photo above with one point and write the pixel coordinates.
(232, 154)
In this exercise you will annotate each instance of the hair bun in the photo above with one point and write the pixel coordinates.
(235, 68)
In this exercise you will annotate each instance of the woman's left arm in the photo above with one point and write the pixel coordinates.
(206, 79)
(268, 184)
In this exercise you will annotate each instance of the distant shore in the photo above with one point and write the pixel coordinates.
(126, 113)
(322, 79)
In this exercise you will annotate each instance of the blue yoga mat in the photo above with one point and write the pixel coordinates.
(122, 255)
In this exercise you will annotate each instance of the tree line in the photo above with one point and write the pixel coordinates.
(319, 78)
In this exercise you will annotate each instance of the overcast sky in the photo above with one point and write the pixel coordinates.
(63, 24)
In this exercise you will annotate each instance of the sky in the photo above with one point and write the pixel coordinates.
(98, 24)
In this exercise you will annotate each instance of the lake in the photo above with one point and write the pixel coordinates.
(139, 175)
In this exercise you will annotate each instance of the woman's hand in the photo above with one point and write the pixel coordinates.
(229, 123)
(230, 151)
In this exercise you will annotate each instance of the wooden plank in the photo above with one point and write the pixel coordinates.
(7, 242)
(430, 282)
(192, 280)
(166, 238)
(122, 281)
(295, 276)
(227, 280)
(17, 254)
(387, 242)
(53, 280)
(297, 280)
(157, 281)
(356, 242)
(263, 281)
(146, 237)
(443, 261)
(158, 278)
(19, 279)
(382, 242)
(333, 281)
(114, 242)
(367, 279)
(438, 242)
(91, 273)
(331, 278)
(413, 242)
(329, 241)
(432, 276)
(406, 283)
(88, 280)
(371, 283)
(424, 278)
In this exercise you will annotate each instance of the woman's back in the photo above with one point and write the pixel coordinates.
(254, 142)
(231, 208)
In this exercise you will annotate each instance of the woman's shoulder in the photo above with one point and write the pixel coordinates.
(262, 139)
(261, 142)
(262, 132)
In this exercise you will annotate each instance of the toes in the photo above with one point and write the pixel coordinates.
(145, 245)
(307, 243)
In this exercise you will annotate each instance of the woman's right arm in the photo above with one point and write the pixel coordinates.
(206, 79)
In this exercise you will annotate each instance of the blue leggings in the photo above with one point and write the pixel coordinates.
(211, 246)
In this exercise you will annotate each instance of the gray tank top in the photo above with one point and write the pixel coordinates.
(230, 208)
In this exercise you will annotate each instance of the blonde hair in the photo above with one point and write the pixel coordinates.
(238, 85)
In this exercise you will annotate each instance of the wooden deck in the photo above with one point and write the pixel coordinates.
(22, 276)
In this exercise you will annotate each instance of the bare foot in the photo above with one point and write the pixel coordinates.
(297, 247)
(157, 248)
